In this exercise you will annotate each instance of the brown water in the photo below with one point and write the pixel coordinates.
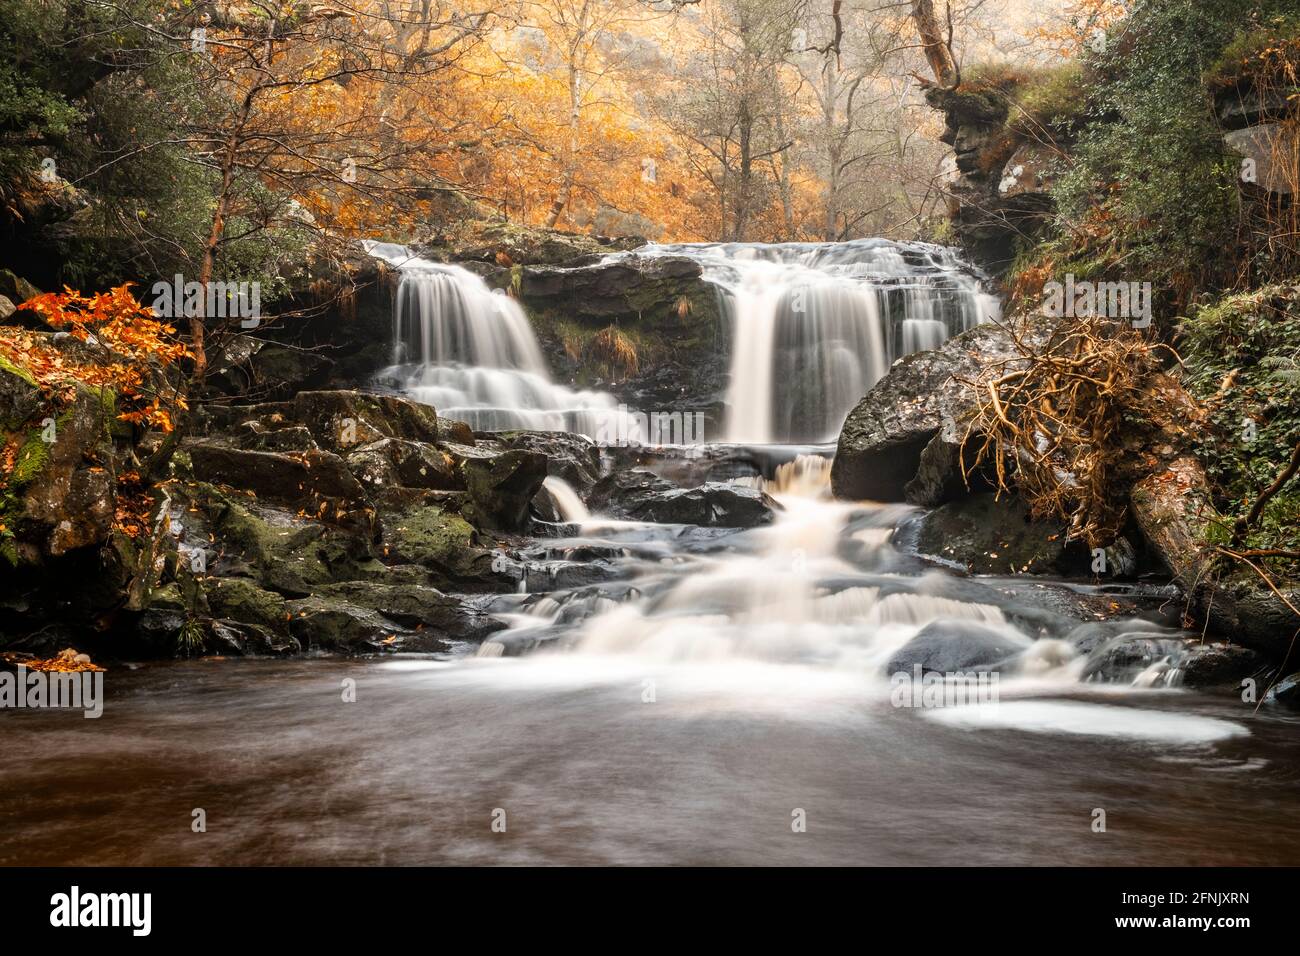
(411, 772)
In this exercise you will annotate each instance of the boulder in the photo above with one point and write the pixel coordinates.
(574, 458)
(243, 601)
(625, 489)
(332, 624)
(987, 534)
(426, 529)
(714, 504)
(59, 495)
(15, 288)
(948, 646)
(340, 420)
(1268, 152)
(390, 462)
(500, 488)
(917, 414)
(1221, 665)
(316, 483)
(1162, 658)
(441, 616)
(607, 290)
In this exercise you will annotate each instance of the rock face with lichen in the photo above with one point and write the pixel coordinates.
(999, 185)
(62, 457)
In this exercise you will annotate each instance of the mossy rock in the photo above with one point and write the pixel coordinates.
(240, 599)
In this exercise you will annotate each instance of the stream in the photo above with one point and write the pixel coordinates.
(680, 693)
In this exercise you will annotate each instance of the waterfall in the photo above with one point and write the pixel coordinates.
(471, 353)
(815, 325)
(567, 501)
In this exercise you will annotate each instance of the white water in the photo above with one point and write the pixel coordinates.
(815, 325)
(471, 353)
(566, 500)
(789, 620)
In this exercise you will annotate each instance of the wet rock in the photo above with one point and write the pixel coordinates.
(393, 462)
(946, 647)
(574, 458)
(248, 365)
(250, 640)
(641, 495)
(1216, 665)
(242, 601)
(15, 288)
(1150, 655)
(442, 617)
(501, 488)
(341, 420)
(60, 492)
(332, 624)
(317, 483)
(1248, 611)
(1090, 635)
(1286, 691)
(624, 489)
(426, 529)
(603, 291)
(494, 241)
(987, 535)
(276, 548)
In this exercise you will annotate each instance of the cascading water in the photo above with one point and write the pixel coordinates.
(822, 598)
(471, 353)
(817, 324)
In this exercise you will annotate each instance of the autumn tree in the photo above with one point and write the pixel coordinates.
(730, 108)
(277, 107)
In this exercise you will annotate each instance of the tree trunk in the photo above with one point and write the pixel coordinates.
(933, 42)
(571, 156)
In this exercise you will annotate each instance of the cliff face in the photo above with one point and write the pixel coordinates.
(998, 194)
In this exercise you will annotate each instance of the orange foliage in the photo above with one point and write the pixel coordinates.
(1082, 20)
(139, 348)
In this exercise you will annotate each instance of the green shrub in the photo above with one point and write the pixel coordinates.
(1242, 361)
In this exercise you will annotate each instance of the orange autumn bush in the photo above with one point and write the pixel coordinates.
(139, 350)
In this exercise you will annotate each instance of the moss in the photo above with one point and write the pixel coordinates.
(1243, 54)
(12, 369)
(1052, 102)
(239, 599)
(1235, 349)
(434, 537)
(31, 460)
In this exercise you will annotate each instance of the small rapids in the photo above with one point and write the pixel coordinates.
(821, 597)
(666, 695)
